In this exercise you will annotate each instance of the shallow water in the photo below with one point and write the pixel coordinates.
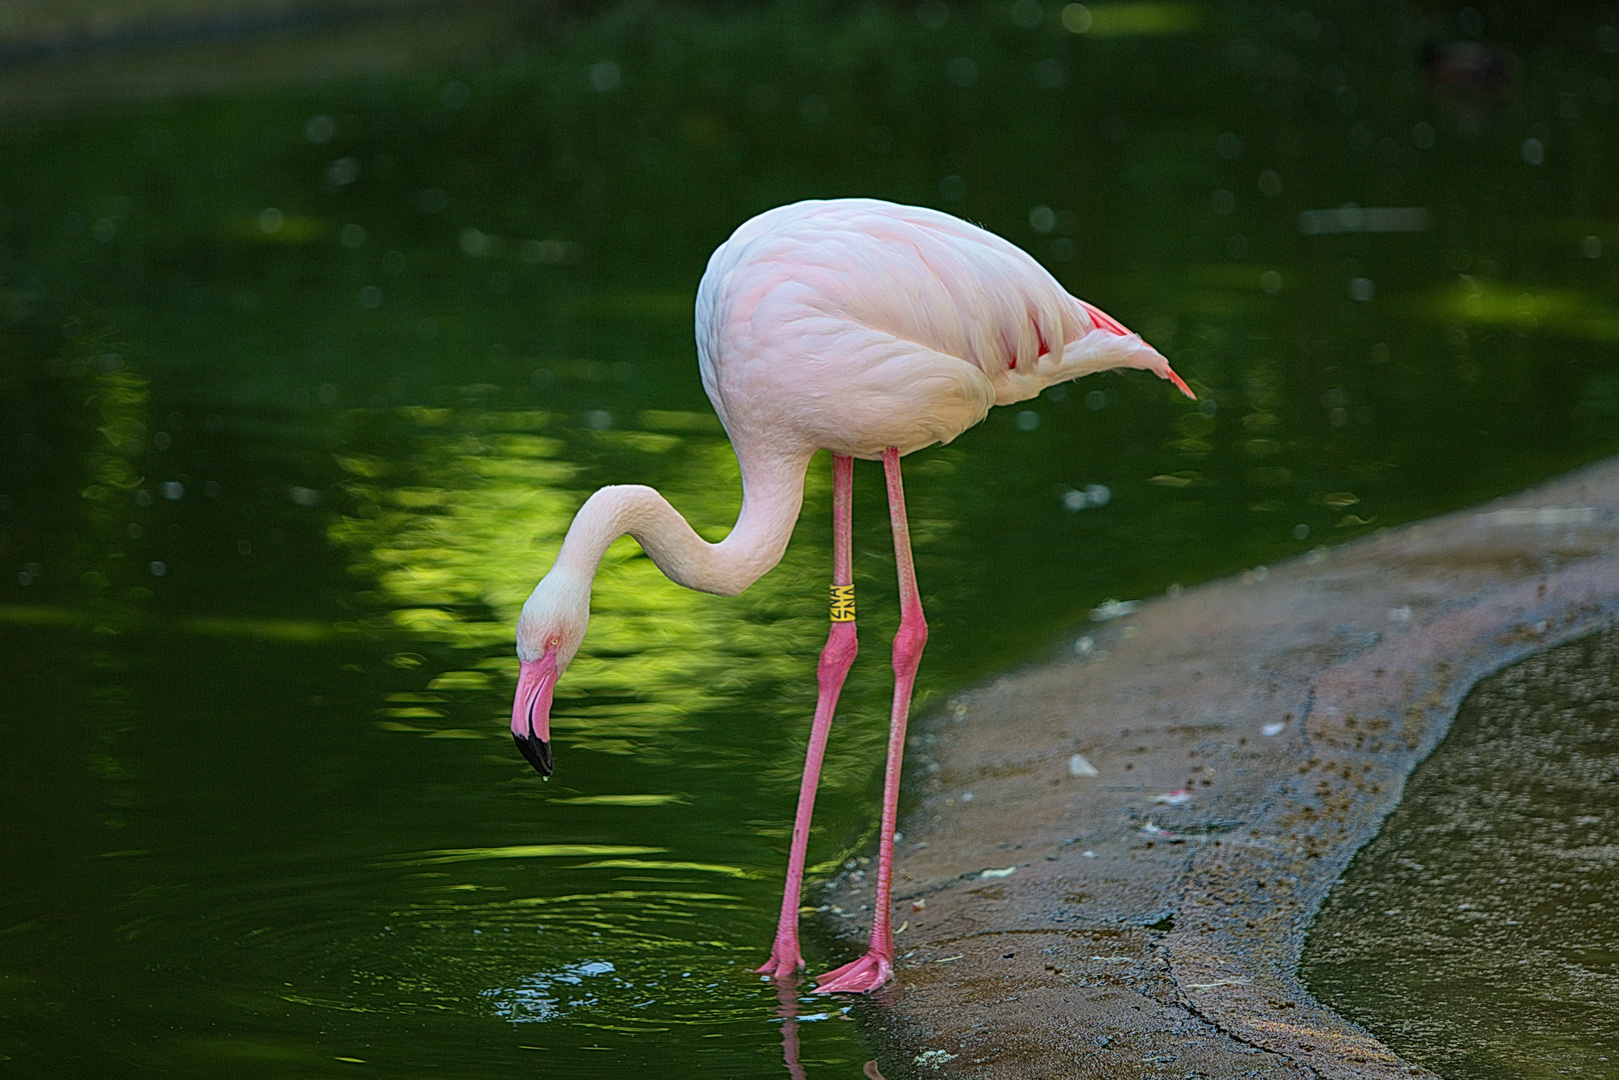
(1476, 934)
(300, 389)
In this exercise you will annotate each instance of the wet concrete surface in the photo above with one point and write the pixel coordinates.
(1478, 929)
(1147, 921)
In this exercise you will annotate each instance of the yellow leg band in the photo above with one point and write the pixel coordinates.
(843, 603)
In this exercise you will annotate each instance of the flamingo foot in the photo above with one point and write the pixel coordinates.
(862, 976)
(785, 960)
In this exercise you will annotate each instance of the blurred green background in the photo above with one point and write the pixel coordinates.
(317, 322)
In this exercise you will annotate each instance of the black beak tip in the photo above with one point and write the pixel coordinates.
(538, 753)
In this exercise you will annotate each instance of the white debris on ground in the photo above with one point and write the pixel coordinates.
(1079, 766)
(933, 1059)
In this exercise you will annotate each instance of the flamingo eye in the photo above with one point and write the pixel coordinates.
(555, 641)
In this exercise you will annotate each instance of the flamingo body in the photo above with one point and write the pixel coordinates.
(855, 325)
(861, 327)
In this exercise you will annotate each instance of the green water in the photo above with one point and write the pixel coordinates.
(299, 389)
(1476, 934)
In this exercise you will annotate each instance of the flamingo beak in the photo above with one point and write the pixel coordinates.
(531, 710)
(1180, 383)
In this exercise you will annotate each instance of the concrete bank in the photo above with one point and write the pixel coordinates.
(1247, 737)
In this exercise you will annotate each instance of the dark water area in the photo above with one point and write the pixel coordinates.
(300, 387)
(1478, 934)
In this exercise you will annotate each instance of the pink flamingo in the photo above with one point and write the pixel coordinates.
(859, 327)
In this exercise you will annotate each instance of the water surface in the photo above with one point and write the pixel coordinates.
(300, 388)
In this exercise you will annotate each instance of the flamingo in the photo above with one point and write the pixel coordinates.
(870, 330)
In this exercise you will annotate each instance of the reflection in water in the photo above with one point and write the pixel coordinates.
(1476, 933)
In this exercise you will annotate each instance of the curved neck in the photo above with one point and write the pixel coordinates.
(772, 493)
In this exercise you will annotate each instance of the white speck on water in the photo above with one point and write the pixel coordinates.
(1007, 872)
(1275, 728)
(966, 796)
(343, 172)
(1112, 609)
(1087, 854)
(1400, 614)
(172, 489)
(1085, 646)
(1079, 766)
(605, 76)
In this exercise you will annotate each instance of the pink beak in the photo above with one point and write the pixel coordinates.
(531, 710)
(1103, 321)
(1180, 383)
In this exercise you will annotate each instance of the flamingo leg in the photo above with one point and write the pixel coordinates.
(836, 659)
(877, 965)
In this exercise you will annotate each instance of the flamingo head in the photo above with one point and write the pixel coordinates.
(1110, 340)
(549, 633)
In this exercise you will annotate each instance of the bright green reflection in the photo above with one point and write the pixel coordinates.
(456, 536)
